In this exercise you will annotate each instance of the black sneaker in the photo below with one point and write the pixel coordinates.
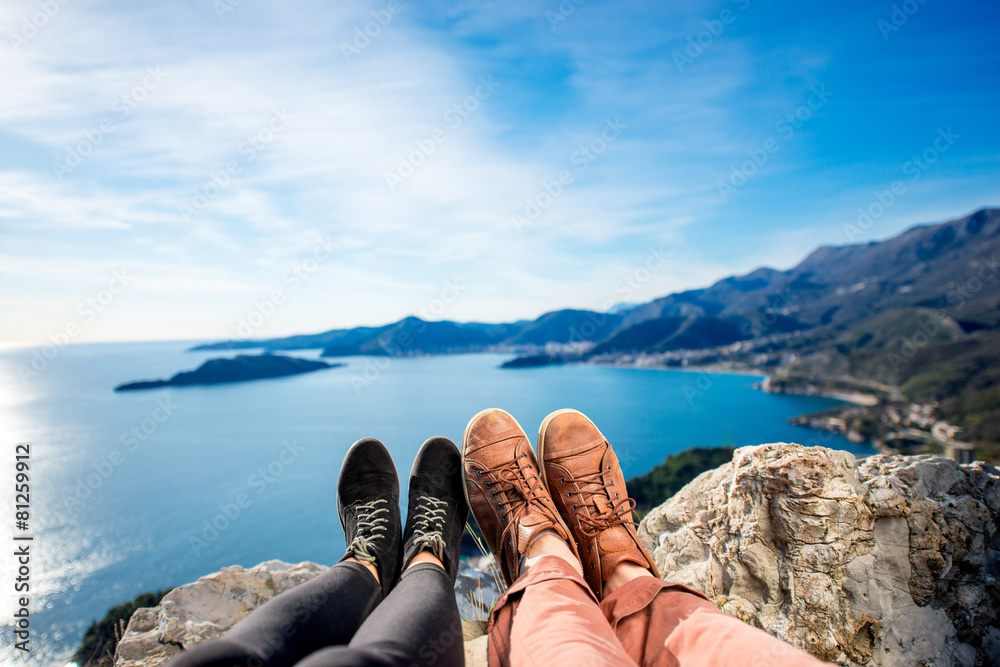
(368, 504)
(438, 509)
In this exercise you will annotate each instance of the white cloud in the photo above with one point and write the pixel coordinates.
(323, 174)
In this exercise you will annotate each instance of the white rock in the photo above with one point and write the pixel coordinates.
(195, 612)
(892, 560)
(888, 561)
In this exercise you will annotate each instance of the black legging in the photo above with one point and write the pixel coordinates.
(336, 619)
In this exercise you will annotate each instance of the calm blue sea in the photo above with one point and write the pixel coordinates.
(125, 487)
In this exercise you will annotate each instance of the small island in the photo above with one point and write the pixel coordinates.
(242, 368)
(534, 361)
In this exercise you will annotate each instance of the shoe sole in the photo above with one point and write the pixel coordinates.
(465, 442)
(540, 447)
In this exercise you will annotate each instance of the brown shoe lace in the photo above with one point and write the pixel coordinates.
(514, 486)
(590, 485)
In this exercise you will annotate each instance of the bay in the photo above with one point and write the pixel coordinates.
(151, 489)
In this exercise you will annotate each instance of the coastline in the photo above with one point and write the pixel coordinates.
(853, 397)
(714, 370)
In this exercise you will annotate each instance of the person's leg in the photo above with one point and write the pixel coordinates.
(329, 609)
(669, 625)
(418, 623)
(548, 616)
(656, 622)
(321, 612)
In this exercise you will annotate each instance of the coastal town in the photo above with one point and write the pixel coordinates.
(873, 412)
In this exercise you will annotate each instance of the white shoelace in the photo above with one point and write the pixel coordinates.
(372, 524)
(428, 525)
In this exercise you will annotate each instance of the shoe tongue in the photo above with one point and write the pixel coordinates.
(532, 519)
(615, 538)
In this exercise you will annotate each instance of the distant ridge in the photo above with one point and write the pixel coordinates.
(912, 318)
(924, 267)
(412, 335)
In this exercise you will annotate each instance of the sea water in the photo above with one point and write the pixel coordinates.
(146, 490)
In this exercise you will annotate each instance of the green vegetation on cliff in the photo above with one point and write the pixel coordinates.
(666, 479)
(99, 642)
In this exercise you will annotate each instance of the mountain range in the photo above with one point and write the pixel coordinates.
(914, 316)
(936, 267)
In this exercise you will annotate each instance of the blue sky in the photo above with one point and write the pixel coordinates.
(481, 161)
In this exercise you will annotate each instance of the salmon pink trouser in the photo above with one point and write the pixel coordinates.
(551, 617)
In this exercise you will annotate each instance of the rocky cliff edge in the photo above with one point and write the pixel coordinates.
(890, 560)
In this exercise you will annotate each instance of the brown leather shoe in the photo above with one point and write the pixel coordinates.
(504, 489)
(582, 473)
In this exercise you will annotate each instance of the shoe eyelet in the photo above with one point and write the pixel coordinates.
(592, 566)
(590, 550)
(616, 495)
(562, 480)
(487, 485)
(609, 467)
(492, 494)
(479, 473)
(574, 506)
(612, 482)
(498, 506)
